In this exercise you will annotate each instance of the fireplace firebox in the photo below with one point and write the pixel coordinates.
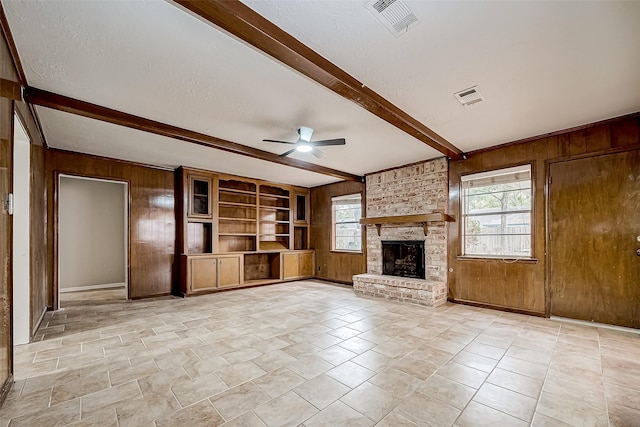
(403, 258)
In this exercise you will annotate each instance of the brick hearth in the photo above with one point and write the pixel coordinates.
(416, 291)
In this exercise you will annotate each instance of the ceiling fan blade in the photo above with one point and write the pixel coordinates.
(275, 140)
(339, 141)
(319, 154)
(286, 153)
(305, 133)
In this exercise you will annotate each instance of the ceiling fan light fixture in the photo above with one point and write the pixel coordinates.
(304, 147)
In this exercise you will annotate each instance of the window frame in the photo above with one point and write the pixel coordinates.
(333, 223)
(532, 220)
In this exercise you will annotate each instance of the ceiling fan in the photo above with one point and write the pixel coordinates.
(305, 145)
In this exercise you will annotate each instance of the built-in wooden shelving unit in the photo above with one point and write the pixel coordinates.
(239, 231)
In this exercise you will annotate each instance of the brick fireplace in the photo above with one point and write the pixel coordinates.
(411, 190)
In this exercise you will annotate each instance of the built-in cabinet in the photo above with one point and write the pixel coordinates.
(298, 264)
(239, 231)
(209, 272)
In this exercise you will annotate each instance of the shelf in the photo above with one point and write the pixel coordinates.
(274, 235)
(266, 221)
(237, 243)
(272, 245)
(261, 266)
(237, 185)
(198, 237)
(274, 191)
(300, 238)
(272, 196)
(244, 205)
(238, 234)
(273, 208)
(234, 191)
(408, 219)
(221, 218)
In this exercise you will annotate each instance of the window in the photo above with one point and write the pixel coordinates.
(496, 213)
(347, 231)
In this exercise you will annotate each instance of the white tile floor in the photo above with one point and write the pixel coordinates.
(312, 353)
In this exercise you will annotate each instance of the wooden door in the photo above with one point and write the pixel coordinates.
(203, 273)
(290, 265)
(228, 271)
(306, 264)
(594, 228)
(6, 231)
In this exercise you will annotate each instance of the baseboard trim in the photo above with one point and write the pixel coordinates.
(497, 307)
(341, 282)
(93, 287)
(595, 324)
(6, 387)
(37, 325)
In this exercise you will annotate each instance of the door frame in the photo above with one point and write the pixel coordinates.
(6, 385)
(56, 245)
(547, 191)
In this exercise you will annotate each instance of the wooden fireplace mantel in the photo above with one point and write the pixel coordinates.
(407, 219)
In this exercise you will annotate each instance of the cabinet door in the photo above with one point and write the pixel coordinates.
(306, 264)
(203, 273)
(199, 196)
(301, 209)
(228, 271)
(290, 265)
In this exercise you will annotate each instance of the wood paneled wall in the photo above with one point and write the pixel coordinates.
(334, 266)
(522, 285)
(152, 217)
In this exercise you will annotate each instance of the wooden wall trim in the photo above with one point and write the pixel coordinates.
(592, 154)
(554, 133)
(246, 24)
(334, 281)
(111, 159)
(22, 79)
(10, 89)
(97, 112)
(497, 307)
(30, 122)
(6, 388)
(13, 50)
(36, 119)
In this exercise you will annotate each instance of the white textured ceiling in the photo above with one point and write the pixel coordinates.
(541, 67)
(109, 140)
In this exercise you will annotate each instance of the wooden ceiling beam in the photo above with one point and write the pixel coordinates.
(74, 106)
(246, 24)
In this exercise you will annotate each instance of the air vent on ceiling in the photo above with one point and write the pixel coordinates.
(395, 15)
(469, 96)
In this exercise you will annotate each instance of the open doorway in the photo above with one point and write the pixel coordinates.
(92, 240)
